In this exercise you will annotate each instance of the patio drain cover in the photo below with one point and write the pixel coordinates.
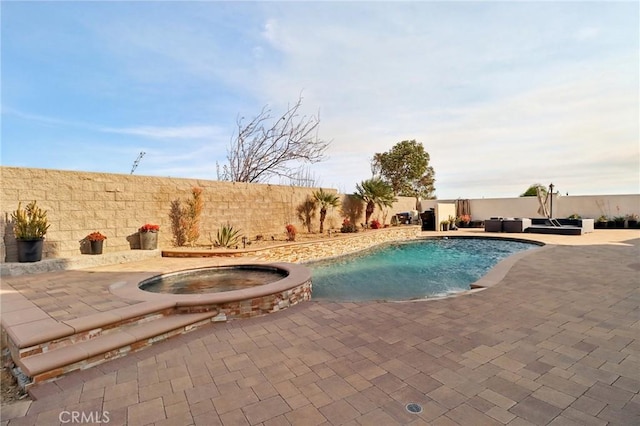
(414, 408)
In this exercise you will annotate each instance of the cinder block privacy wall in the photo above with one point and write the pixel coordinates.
(116, 205)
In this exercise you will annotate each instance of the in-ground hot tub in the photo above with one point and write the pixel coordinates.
(259, 289)
(215, 279)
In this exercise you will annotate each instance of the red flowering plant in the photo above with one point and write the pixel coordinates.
(96, 236)
(348, 227)
(375, 224)
(465, 218)
(149, 228)
(291, 232)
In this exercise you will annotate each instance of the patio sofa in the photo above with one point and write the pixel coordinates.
(503, 224)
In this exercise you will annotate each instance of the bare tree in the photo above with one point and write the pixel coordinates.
(263, 148)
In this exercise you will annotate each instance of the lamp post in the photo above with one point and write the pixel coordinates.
(551, 201)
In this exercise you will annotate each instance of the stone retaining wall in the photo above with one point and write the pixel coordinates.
(337, 245)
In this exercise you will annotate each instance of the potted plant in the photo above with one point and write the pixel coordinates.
(632, 220)
(29, 227)
(149, 236)
(619, 221)
(601, 222)
(463, 221)
(96, 242)
(444, 225)
(452, 223)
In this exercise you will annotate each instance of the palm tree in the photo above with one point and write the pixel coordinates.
(374, 192)
(326, 199)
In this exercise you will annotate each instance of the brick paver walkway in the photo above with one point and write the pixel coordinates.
(556, 342)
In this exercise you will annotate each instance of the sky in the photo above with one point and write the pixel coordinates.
(501, 94)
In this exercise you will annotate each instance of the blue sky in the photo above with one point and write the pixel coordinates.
(501, 94)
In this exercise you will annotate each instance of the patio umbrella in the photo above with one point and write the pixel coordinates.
(542, 199)
(463, 208)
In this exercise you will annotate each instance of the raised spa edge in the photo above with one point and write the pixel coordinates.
(297, 275)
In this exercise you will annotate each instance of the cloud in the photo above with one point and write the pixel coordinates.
(182, 132)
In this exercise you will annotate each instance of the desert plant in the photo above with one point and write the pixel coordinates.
(374, 192)
(30, 223)
(575, 216)
(326, 199)
(291, 232)
(185, 221)
(307, 212)
(227, 237)
(177, 223)
(192, 215)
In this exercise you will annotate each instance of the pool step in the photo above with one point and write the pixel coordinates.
(101, 337)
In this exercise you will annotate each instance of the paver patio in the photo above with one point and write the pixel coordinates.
(556, 341)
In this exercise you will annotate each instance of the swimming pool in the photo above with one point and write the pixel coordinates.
(410, 270)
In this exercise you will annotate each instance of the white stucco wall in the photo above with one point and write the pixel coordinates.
(587, 206)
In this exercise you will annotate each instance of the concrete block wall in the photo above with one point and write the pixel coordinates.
(116, 205)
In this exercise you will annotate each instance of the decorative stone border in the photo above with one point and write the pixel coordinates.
(306, 251)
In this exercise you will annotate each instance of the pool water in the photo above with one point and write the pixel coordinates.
(212, 280)
(410, 270)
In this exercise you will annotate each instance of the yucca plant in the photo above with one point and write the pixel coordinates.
(227, 237)
(30, 223)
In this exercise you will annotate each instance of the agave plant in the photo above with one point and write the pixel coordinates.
(227, 237)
